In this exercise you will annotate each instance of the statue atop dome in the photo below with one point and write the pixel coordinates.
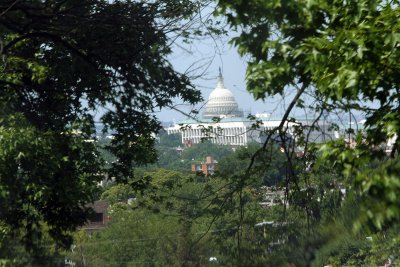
(220, 81)
(221, 102)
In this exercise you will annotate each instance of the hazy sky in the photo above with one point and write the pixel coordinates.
(204, 59)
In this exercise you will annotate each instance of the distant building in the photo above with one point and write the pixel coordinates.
(224, 123)
(179, 150)
(272, 197)
(99, 217)
(207, 168)
(221, 103)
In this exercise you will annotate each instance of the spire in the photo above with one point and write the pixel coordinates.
(220, 82)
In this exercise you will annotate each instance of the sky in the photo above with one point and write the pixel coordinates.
(204, 59)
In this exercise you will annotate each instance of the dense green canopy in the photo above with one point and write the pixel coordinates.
(65, 64)
(346, 55)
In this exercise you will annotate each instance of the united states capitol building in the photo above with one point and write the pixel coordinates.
(223, 122)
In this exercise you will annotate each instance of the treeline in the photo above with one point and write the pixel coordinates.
(186, 219)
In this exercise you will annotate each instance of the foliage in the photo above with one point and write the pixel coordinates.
(170, 158)
(339, 245)
(345, 54)
(53, 187)
(13, 251)
(163, 227)
(200, 151)
(269, 166)
(170, 140)
(118, 193)
(63, 64)
(106, 156)
(183, 219)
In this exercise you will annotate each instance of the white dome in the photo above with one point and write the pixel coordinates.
(220, 92)
(221, 102)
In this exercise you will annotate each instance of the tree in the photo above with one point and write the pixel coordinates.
(268, 169)
(202, 150)
(170, 158)
(170, 140)
(345, 54)
(161, 227)
(118, 193)
(63, 64)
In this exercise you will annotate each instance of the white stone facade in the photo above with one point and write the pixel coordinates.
(228, 131)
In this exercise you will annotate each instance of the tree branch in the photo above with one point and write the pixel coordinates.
(280, 126)
(52, 37)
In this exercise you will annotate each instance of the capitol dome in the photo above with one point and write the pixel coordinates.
(221, 103)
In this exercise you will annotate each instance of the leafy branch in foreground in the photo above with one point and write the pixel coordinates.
(347, 52)
(65, 65)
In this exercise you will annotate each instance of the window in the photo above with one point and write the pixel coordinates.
(96, 217)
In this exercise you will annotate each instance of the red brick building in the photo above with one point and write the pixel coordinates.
(207, 168)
